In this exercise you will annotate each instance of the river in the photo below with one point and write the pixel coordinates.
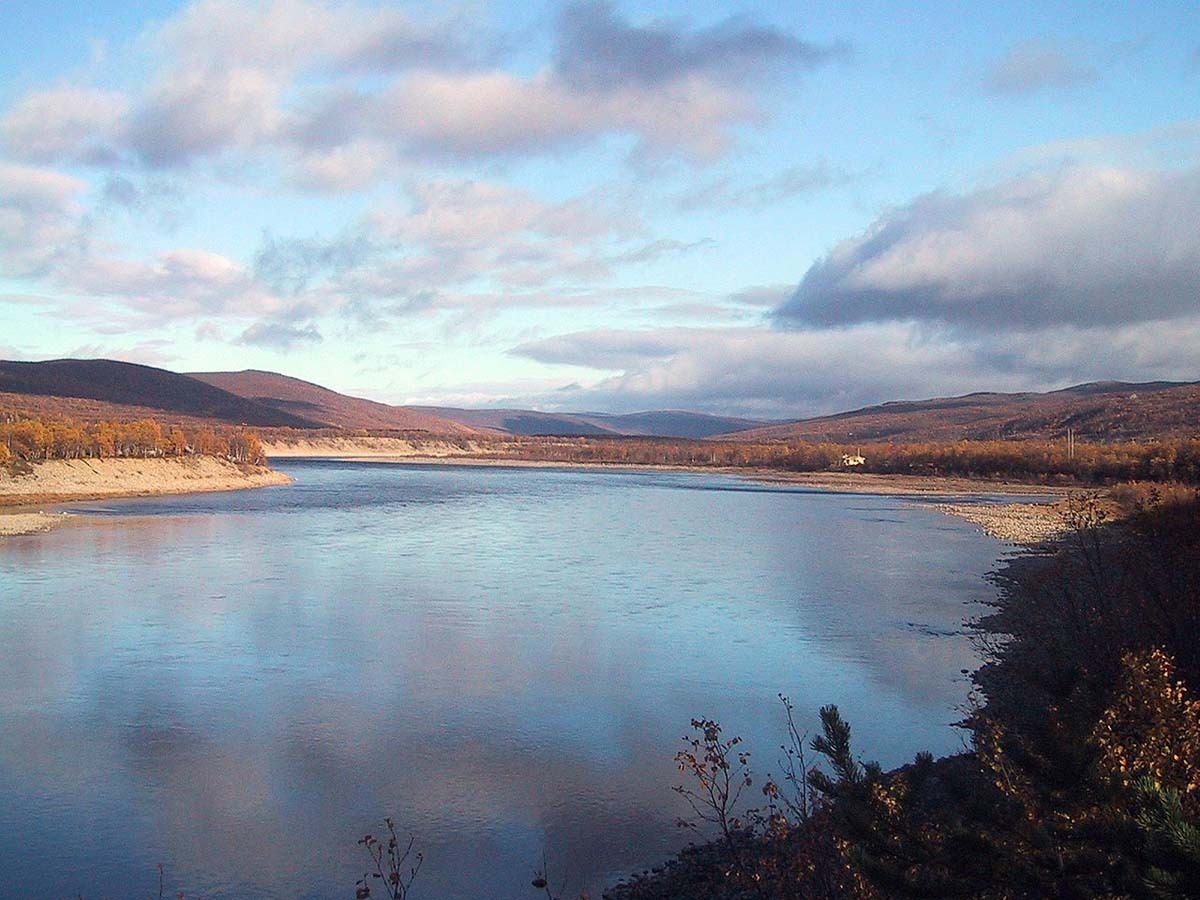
(238, 686)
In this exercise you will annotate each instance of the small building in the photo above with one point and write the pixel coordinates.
(855, 460)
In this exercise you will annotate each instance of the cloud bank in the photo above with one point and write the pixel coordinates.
(1080, 247)
(1035, 283)
(345, 93)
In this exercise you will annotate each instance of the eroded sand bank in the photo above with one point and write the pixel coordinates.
(84, 479)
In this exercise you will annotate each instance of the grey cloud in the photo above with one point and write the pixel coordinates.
(1036, 65)
(223, 68)
(201, 113)
(279, 335)
(1084, 246)
(663, 247)
(764, 372)
(766, 296)
(598, 49)
(724, 193)
(608, 350)
(289, 265)
(155, 199)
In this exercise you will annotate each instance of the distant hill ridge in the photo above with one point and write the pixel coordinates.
(130, 384)
(311, 401)
(656, 423)
(1101, 410)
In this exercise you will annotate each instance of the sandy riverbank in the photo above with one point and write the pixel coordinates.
(371, 448)
(1015, 523)
(64, 480)
(903, 485)
(13, 523)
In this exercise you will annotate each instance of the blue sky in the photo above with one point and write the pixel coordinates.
(763, 209)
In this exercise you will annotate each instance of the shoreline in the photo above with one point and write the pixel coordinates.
(67, 481)
(1013, 521)
(55, 482)
(20, 523)
(1023, 524)
(836, 482)
(1010, 521)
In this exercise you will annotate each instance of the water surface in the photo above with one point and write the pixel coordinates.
(240, 685)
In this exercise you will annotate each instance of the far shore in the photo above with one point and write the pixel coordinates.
(22, 497)
(1009, 520)
(837, 482)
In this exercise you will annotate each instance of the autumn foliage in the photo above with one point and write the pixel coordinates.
(1082, 779)
(36, 440)
(1034, 461)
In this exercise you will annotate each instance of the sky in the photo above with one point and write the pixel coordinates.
(759, 209)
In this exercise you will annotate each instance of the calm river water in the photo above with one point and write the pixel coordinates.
(238, 686)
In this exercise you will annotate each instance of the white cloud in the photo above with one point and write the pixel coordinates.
(183, 283)
(344, 92)
(1081, 246)
(39, 219)
(66, 122)
(477, 114)
(289, 35)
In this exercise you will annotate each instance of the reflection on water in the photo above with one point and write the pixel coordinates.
(240, 685)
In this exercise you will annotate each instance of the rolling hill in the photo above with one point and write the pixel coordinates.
(98, 388)
(128, 385)
(528, 422)
(1097, 411)
(329, 408)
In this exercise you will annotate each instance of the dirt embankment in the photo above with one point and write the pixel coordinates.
(89, 479)
(372, 448)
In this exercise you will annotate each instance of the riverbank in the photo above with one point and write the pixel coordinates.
(1014, 523)
(1011, 521)
(14, 523)
(374, 448)
(471, 453)
(65, 480)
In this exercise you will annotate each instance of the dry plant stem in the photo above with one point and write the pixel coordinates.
(397, 875)
(801, 804)
(709, 760)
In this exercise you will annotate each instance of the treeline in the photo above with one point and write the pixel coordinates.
(1177, 460)
(642, 451)
(36, 440)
